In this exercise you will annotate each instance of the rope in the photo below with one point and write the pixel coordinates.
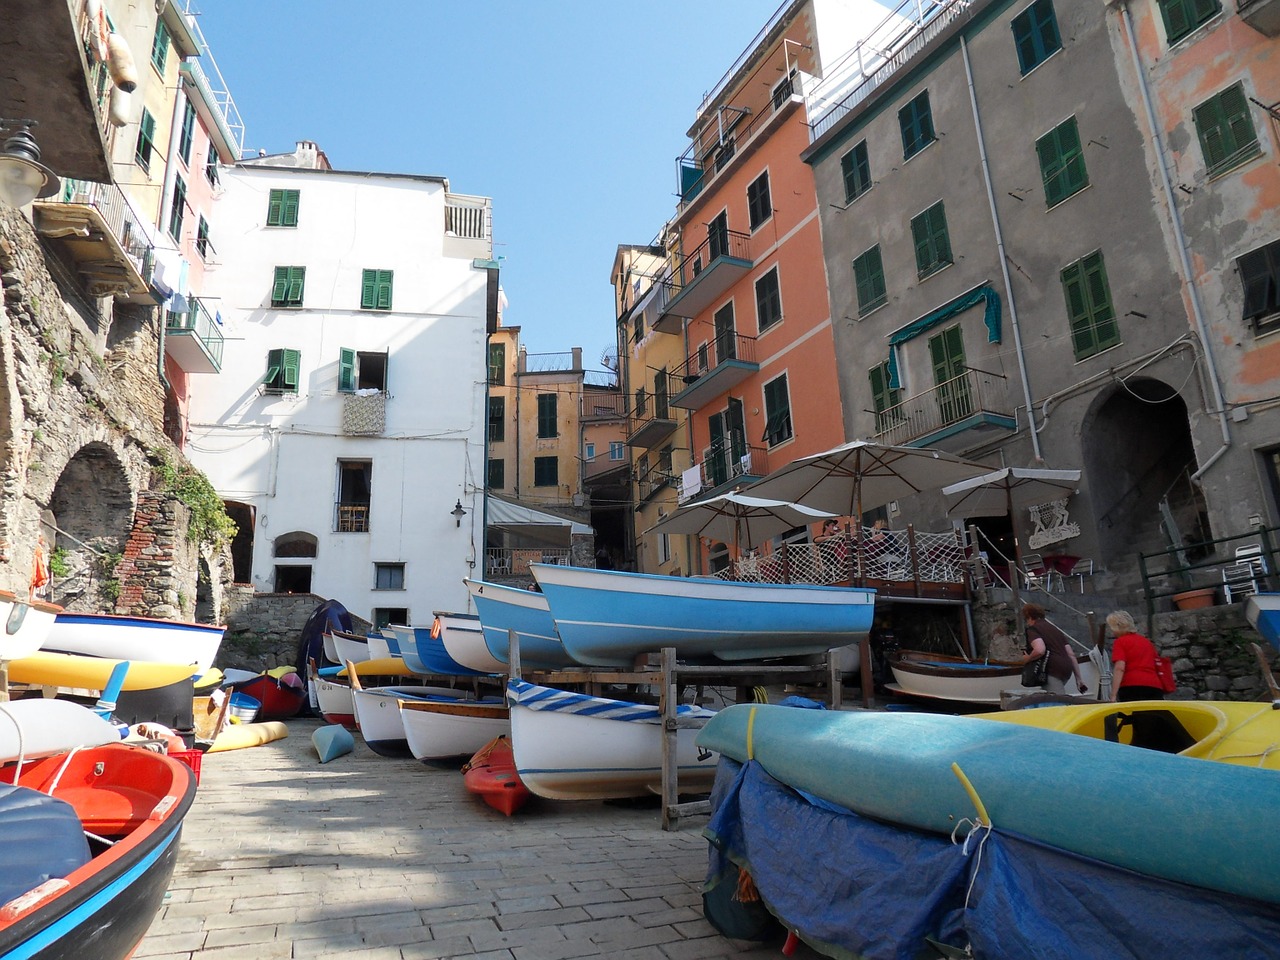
(977, 827)
(57, 777)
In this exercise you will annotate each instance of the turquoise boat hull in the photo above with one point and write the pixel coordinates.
(1196, 822)
(1263, 611)
(609, 617)
(503, 609)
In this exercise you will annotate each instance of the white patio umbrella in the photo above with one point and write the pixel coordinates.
(998, 493)
(737, 519)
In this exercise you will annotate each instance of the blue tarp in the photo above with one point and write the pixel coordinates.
(857, 887)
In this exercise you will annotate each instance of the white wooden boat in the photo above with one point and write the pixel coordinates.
(26, 625)
(940, 676)
(610, 617)
(137, 639)
(349, 647)
(569, 746)
(333, 698)
(440, 730)
(377, 712)
(39, 727)
(463, 639)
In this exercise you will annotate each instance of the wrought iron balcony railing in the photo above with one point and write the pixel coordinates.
(968, 397)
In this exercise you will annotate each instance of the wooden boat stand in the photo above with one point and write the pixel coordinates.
(670, 675)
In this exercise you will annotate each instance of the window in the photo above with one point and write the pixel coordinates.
(179, 207)
(385, 615)
(282, 208)
(768, 300)
(916, 122)
(588, 451)
(777, 409)
(642, 402)
(933, 246)
(282, 371)
(759, 204)
(726, 334)
(361, 371)
(1092, 318)
(664, 548)
(637, 327)
(1260, 274)
(497, 363)
(355, 487)
(868, 277)
(497, 419)
(547, 415)
(784, 89)
(293, 579)
(160, 46)
(295, 544)
(1035, 35)
(951, 385)
(211, 167)
(497, 474)
(375, 290)
(1062, 162)
(202, 238)
(884, 397)
(717, 237)
(1225, 129)
(188, 133)
(286, 290)
(546, 472)
(388, 576)
(1183, 16)
(856, 170)
(616, 451)
(146, 140)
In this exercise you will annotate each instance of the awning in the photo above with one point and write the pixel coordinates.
(521, 519)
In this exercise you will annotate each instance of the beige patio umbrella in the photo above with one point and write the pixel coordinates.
(738, 519)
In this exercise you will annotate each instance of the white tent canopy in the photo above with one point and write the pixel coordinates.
(526, 521)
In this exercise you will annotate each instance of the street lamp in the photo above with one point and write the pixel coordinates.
(458, 512)
(23, 177)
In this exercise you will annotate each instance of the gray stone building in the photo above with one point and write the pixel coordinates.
(1006, 280)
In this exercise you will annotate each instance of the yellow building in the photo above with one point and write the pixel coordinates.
(657, 433)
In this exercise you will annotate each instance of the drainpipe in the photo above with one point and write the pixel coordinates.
(1004, 263)
(1184, 258)
(171, 166)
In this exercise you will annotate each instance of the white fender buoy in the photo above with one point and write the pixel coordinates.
(120, 62)
(99, 29)
(121, 107)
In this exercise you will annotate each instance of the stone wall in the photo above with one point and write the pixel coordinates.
(263, 629)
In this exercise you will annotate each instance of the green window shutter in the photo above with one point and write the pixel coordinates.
(384, 289)
(289, 363)
(280, 287)
(1181, 17)
(289, 208)
(855, 168)
(1106, 332)
(368, 289)
(920, 239)
(274, 359)
(932, 245)
(1062, 162)
(275, 206)
(297, 277)
(777, 407)
(346, 370)
(938, 230)
(1035, 35)
(1226, 131)
(547, 415)
(1089, 311)
(868, 275)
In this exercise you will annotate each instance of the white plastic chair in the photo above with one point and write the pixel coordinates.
(1239, 580)
(1034, 572)
(1083, 568)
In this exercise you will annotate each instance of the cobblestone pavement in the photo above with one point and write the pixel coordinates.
(283, 857)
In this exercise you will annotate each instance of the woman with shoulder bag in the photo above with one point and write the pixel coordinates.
(1045, 638)
(1133, 662)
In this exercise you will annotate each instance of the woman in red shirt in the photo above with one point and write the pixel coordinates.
(1133, 662)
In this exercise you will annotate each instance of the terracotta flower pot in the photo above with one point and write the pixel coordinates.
(1195, 599)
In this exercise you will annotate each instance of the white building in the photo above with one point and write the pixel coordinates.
(346, 430)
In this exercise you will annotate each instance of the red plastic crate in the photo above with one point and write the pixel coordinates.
(191, 758)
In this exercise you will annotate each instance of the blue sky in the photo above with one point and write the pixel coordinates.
(568, 114)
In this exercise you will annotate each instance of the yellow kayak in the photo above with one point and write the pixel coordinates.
(91, 673)
(1228, 731)
(237, 736)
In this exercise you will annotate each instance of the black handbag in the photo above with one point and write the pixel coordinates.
(1036, 672)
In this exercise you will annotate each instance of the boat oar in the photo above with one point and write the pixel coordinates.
(106, 704)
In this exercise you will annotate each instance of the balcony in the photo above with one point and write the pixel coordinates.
(968, 402)
(98, 228)
(649, 431)
(714, 368)
(1262, 15)
(704, 274)
(351, 517)
(600, 406)
(724, 466)
(653, 481)
(194, 340)
(468, 227)
(46, 78)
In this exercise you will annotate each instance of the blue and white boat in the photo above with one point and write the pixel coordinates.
(609, 617)
(463, 640)
(424, 653)
(570, 746)
(503, 609)
(1263, 611)
(139, 639)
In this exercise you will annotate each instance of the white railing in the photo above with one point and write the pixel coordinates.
(514, 561)
(467, 217)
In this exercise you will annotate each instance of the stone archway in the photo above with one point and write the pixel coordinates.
(1138, 452)
(91, 513)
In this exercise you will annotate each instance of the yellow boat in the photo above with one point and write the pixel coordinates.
(1228, 731)
(381, 667)
(91, 673)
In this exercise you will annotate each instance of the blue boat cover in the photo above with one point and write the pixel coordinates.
(856, 887)
(43, 840)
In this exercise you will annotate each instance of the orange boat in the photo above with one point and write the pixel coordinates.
(491, 774)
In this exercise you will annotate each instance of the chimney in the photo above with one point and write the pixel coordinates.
(577, 358)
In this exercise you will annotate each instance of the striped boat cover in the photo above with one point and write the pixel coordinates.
(534, 697)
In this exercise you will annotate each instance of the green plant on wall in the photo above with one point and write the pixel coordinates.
(109, 588)
(58, 565)
(209, 521)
